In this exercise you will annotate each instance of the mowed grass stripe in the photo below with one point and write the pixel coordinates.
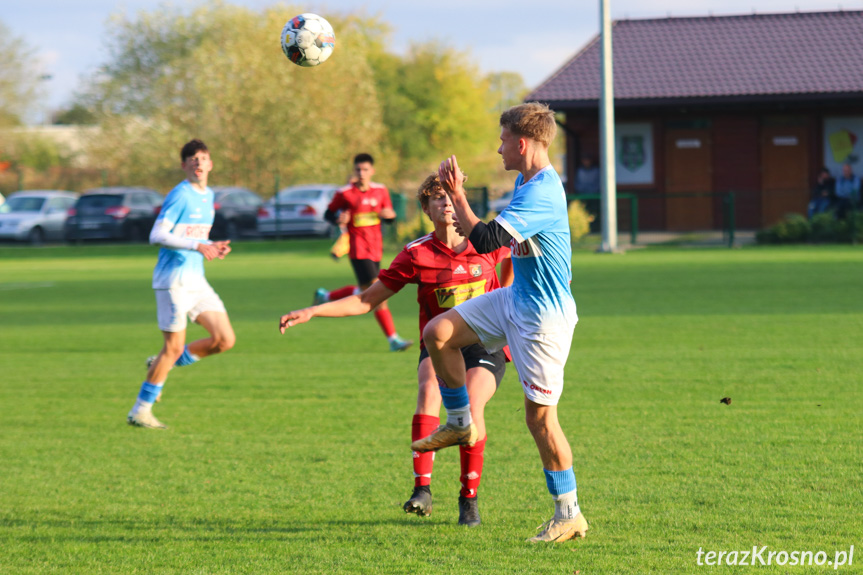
(290, 453)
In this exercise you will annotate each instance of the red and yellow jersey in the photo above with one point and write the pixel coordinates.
(364, 226)
(444, 278)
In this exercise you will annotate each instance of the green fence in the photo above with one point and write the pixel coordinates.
(729, 224)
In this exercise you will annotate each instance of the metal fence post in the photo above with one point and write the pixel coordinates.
(276, 179)
(730, 218)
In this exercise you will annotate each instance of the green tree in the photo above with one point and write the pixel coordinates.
(19, 78)
(435, 103)
(219, 74)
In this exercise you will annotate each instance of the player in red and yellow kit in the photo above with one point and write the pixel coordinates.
(360, 206)
(447, 271)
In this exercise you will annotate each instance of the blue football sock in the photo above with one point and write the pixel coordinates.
(560, 482)
(149, 392)
(454, 398)
(457, 404)
(187, 358)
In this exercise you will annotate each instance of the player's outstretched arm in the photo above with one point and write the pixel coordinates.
(452, 180)
(358, 304)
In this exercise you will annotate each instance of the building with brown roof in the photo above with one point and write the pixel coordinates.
(705, 106)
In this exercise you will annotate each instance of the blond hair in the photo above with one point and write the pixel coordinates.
(531, 120)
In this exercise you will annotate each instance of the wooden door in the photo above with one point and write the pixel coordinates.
(688, 154)
(784, 171)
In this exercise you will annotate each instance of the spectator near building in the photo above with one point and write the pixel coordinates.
(847, 191)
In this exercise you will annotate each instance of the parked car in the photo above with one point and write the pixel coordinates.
(300, 211)
(236, 213)
(35, 215)
(113, 214)
(501, 203)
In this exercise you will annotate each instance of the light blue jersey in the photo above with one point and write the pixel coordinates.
(186, 214)
(537, 220)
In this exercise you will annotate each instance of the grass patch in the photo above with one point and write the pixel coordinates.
(290, 453)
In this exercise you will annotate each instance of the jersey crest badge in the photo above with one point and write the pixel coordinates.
(476, 270)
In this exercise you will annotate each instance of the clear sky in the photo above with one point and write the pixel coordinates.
(531, 38)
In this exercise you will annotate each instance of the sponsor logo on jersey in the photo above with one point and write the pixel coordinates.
(534, 387)
(366, 219)
(448, 297)
(197, 231)
(526, 249)
(476, 270)
(459, 270)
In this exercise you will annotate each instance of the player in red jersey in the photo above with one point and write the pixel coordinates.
(447, 271)
(360, 206)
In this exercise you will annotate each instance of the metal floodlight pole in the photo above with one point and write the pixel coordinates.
(608, 202)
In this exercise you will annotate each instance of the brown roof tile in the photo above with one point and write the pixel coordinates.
(721, 56)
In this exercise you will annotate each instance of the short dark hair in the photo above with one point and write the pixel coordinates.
(364, 158)
(191, 148)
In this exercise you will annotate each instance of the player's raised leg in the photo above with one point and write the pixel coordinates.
(444, 337)
(556, 455)
(221, 338)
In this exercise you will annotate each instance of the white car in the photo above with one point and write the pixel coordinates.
(35, 215)
(501, 203)
(298, 210)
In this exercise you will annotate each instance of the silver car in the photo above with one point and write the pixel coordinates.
(35, 215)
(297, 210)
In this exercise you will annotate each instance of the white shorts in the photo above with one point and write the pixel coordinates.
(173, 306)
(538, 357)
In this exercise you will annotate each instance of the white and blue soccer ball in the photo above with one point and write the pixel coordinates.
(308, 40)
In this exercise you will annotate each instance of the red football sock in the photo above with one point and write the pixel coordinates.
(422, 426)
(342, 292)
(471, 467)
(385, 319)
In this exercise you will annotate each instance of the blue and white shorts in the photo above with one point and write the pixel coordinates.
(538, 357)
(174, 306)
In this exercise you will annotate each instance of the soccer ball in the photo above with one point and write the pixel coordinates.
(308, 40)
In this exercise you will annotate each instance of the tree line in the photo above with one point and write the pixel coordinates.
(217, 72)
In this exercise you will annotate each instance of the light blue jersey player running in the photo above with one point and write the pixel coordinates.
(536, 315)
(182, 291)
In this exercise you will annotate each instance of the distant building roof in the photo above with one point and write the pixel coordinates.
(718, 57)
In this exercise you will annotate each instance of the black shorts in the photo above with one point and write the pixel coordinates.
(477, 356)
(366, 271)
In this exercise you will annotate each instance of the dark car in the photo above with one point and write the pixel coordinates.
(113, 214)
(236, 213)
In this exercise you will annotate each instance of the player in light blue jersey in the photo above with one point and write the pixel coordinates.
(536, 315)
(182, 290)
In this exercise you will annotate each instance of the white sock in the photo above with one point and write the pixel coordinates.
(393, 337)
(566, 506)
(459, 417)
(142, 406)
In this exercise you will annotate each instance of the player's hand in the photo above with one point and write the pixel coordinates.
(451, 177)
(210, 251)
(293, 318)
(343, 219)
(224, 248)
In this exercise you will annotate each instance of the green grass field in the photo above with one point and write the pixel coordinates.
(289, 454)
